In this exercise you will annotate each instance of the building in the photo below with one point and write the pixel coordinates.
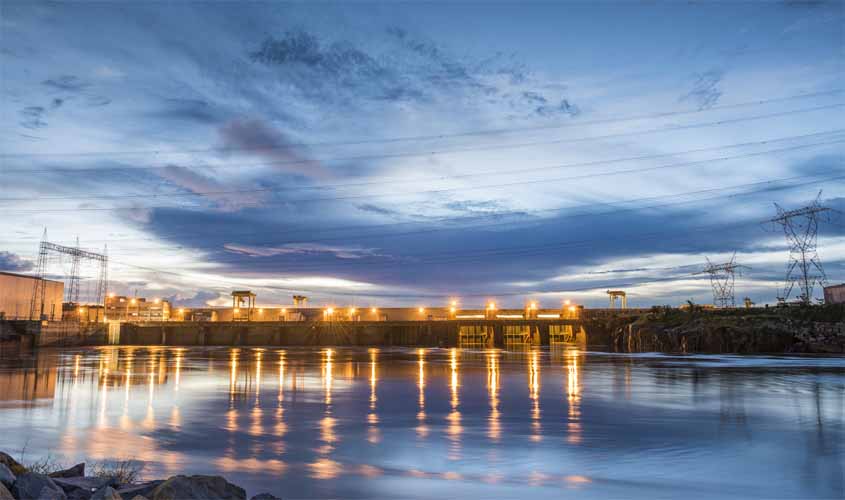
(122, 308)
(16, 292)
(834, 294)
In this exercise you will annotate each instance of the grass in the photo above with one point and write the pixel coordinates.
(120, 471)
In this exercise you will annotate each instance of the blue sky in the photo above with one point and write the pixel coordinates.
(404, 153)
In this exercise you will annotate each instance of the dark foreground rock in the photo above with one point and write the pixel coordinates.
(7, 477)
(189, 487)
(106, 493)
(5, 494)
(32, 485)
(144, 490)
(265, 496)
(81, 488)
(12, 464)
(77, 470)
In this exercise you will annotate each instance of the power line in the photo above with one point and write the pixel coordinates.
(504, 223)
(458, 189)
(438, 136)
(488, 147)
(430, 179)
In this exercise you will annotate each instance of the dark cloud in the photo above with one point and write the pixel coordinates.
(14, 263)
(200, 299)
(66, 83)
(369, 207)
(32, 117)
(188, 110)
(226, 196)
(256, 137)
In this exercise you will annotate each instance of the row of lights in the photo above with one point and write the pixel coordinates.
(453, 307)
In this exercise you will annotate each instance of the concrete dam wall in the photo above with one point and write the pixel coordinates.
(485, 333)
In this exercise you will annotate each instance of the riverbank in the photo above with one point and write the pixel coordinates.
(816, 330)
(118, 482)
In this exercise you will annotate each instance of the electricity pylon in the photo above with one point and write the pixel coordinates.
(801, 227)
(722, 279)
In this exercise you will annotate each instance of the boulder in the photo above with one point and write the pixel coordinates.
(198, 487)
(7, 478)
(13, 465)
(34, 485)
(81, 488)
(265, 496)
(77, 470)
(5, 494)
(106, 493)
(144, 490)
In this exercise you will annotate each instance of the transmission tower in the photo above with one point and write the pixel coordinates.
(39, 291)
(722, 279)
(801, 227)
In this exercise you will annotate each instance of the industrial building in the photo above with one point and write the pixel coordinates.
(122, 308)
(834, 294)
(16, 292)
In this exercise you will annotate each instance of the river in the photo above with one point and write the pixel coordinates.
(444, 423)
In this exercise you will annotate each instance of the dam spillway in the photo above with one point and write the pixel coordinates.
(482, 333)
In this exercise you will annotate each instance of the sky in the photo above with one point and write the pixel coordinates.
(407, 153)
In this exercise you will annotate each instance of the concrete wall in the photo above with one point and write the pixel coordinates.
(16, 297)
(357, 333)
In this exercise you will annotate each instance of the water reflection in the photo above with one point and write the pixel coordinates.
(332, 422)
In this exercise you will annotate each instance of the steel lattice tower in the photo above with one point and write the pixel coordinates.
(39, 290)
(801, 227)
(722, 279)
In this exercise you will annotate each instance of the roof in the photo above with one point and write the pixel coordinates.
(16, 275)
(841, 285)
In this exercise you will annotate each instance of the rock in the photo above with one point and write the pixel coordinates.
(198, 487)
(106, 493)
(143, 490)
(81, 488)
(13, 465)
(77, 470)
(7, 478)
(33, 485)
(5, 494)
(265, 496)
(138, 497)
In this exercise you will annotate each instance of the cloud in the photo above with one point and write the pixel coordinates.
(200, 299)
(256, 137)
(341, 252)
(14, 263)
(188, 110)
(66, 83)
(33, 117)
(705, 91)
(224, 195)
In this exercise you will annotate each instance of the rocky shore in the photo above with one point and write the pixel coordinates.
(811, 330)
(19, 483)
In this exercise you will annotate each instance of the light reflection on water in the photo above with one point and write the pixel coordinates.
(425, 422)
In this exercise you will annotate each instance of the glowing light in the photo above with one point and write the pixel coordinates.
(81, 309)
(452, 310)
(132, 301)
(181, 310)
(237, 310)
(284, 310)
(422, 310)
(157, 300)
(352, 310)
(330, 310)
(260, 311)
(111, 295)
(491, 306)
(454, 303)
(533, 305)
(374, 310)
(571, 308)
(566, 302)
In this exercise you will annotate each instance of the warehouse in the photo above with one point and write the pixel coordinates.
(16, 292)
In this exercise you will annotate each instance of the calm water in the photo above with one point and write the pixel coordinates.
(439, 422)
